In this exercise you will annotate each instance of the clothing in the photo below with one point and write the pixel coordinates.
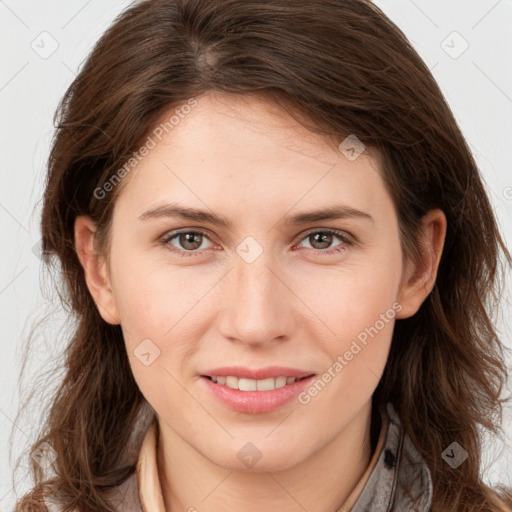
(395, 468)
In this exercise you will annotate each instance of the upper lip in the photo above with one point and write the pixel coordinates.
(257, 373)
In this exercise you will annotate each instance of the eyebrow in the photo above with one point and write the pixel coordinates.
(330, 213)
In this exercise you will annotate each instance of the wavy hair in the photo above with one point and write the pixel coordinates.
(340, 68)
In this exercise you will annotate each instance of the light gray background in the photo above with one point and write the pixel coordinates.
(477, 84)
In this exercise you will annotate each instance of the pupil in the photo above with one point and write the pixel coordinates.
(323, 235)
(189, 240)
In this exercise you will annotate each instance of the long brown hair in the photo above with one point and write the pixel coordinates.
(341, 68)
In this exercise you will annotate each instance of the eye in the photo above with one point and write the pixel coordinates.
(188, 242)
(324, 238)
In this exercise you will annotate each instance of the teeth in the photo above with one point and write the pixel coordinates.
(253, 385)
(247, 384)
(232, 382)
(266, 384)
(280, 382)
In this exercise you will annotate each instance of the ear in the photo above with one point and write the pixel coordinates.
(95, 269)
(419, 278)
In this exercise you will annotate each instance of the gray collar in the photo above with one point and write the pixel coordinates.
(401, 479)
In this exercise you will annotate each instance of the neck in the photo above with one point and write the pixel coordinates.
(320, 483)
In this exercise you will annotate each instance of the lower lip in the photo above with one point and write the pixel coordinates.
(256, 402)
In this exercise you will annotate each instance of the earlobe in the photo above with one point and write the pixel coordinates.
(95, 270)
(420, 277)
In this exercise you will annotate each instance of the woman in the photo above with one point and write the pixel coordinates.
(281, 257)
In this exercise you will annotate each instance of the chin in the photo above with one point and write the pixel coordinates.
(248, 458)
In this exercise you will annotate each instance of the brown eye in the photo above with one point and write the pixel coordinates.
(185, 242)
(320, 240)
(190, 241)
(324, 240)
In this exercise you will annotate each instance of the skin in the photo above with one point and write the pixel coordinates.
(251, 162)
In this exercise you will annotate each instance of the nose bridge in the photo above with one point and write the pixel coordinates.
(256, 309)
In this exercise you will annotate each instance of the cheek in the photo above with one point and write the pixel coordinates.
(163, 389)
(358, 295)
(151, 296)
(360, 306)
(368, 301)
(158, 310)
(357, 354)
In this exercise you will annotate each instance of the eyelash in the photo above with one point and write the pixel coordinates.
(166, 239)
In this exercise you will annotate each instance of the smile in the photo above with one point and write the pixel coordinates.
(253, 385)
(255, 396)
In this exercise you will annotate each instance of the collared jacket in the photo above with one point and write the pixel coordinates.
(397, 479)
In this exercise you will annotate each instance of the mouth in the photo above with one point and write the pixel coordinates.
(244, 384)
(256, 396)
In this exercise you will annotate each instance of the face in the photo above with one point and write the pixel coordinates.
(267, 293)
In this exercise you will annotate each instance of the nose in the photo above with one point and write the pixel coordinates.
(258, 305)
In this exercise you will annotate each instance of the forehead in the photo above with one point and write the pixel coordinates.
(234, 152)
